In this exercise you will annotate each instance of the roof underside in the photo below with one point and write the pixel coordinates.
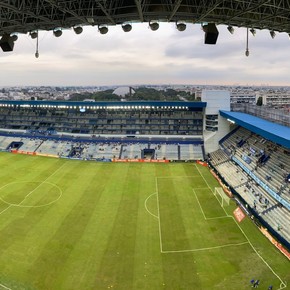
(274, 132)
(27, 15)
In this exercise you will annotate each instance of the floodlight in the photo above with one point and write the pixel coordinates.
(126, 27)
(78, 29)
(154, 26)
(6, 42)
(211, 33)
(273, 34)
(57, 32)
(247, 52)
(253, 31)
(103, 29)
(230, 29)
(33, 34)
(180, 26)
(14, 37)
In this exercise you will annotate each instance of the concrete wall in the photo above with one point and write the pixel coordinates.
(216, 100)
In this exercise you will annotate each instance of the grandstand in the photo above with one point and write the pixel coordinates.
(107, 130)
(257, 170)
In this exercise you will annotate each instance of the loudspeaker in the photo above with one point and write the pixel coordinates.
(211, 33)
(6, 42)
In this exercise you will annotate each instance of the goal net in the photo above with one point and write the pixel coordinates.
(221, 196)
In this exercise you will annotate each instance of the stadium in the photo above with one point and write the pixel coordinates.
(165, 177)
(145, 194)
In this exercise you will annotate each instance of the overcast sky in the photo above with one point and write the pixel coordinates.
(142, 56)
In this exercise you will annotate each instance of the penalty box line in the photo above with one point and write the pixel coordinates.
(188, 250)
(282, 283)
(204, 249)
(159, 226)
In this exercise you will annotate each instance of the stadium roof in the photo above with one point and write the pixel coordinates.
(111, 105)
(274, 132)
(24, 16)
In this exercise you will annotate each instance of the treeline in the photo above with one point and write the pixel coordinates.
(106, 95)
(139, 94)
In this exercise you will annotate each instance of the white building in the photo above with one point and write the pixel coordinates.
(276, 99)
(244, 97)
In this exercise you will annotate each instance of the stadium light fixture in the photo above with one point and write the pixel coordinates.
(103, 29)
(247, 52)
(154, 26)
(253, 31)
(78, 29)
(231, 121)
(57, 32)
(180, 26)
(36, 52)
(126, 27)
(211, 33)
(273, 34)
(14, 37)
(231, 29)
(33, 34)
(6, 42)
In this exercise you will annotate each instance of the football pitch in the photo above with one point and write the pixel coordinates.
(67, 224)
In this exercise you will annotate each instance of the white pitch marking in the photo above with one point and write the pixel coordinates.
(160, 238)
(33, 206)
(206, 218)
(41, 183)
(205, 249)
(282, 284)
(24, 200)
(145, 204)
(5, 287)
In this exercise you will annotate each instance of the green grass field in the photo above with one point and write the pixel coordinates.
(68, 224)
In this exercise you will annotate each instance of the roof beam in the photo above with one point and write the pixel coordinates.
(140, 11)
(30, 13)
(106, 12)
(65, 10)
(176, 6)
(209, 11)
(262, 3)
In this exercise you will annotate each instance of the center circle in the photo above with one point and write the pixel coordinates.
(30, 193)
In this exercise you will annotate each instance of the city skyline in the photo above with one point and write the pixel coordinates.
(165, 56)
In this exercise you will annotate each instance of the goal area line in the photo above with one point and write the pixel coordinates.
(202, 211)
(205, 249)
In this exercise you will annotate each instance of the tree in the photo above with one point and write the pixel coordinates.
(260, 101)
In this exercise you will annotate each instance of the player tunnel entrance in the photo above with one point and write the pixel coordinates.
(15, 145)
(148, 153)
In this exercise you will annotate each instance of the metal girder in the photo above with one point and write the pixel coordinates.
(55, 4)
(26, 15)
(140, 11)
(176, 6)
(212, 6)
(112, 21)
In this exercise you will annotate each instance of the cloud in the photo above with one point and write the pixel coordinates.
(144, 56)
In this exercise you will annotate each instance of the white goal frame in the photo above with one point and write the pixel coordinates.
(225, 199)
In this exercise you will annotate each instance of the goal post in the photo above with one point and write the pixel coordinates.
(222, 197)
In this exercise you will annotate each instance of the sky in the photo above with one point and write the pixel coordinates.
(142, 56)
